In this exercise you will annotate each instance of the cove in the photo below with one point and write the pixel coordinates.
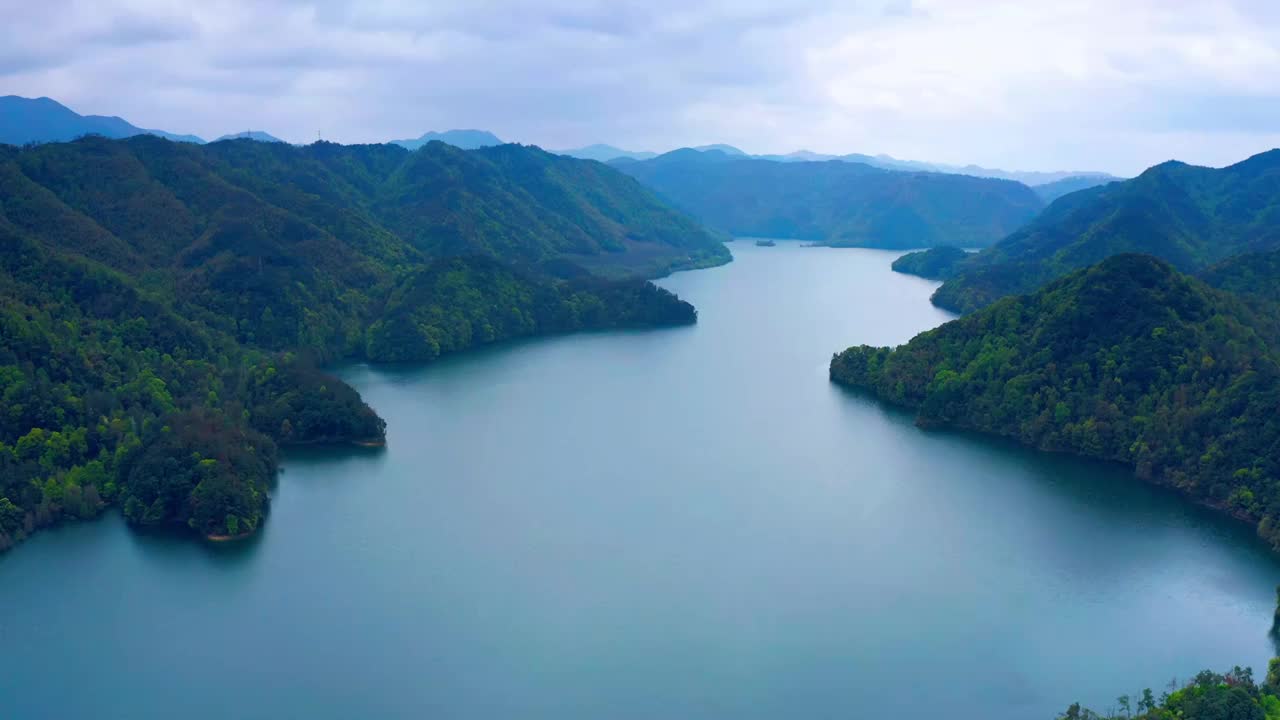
(686, 523)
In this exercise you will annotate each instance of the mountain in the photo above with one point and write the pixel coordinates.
(163, 306)
(465, 139)
(1051, 191)
(605, 153)
(721, 147)
(41, 120)
(837, 203)
(258, 135)
(1128, 361)
(1192, 217)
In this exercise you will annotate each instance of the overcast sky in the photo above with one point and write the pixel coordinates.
(1113, 85)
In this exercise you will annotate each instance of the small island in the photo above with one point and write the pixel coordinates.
(765, 243)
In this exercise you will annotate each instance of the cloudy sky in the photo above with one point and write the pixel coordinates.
(1112, 85)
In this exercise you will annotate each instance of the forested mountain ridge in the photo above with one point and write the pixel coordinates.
(1128, 361)
(1192, 217)
(162, 305)
(837, 203)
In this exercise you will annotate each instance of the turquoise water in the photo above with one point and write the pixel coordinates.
(687, 523)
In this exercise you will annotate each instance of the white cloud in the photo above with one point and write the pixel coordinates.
(1073, 83)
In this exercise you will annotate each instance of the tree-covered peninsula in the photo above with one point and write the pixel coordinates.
(1128, 361)
(1191, 217)
(937, 263)
(164, 307)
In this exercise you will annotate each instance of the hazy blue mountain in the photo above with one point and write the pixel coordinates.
(605, 153)
(465, 139)
(836, 203)
(1079, 179)
(1027, 177)
(1053, 190)
(41, 120)
(721, 147)
(258, 135)
(1032, 177)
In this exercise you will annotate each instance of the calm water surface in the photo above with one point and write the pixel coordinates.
(686, 523)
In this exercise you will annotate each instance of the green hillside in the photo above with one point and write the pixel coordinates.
(1191, 217)
(1128, 361)
(164, 306)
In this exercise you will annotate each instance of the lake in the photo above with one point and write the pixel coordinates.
(686, 523)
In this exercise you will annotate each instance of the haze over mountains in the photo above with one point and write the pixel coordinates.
(1076, 178)
(837, 203)
(465, 139)
(27, 120)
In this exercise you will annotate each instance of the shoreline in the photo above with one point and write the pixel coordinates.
(230, 538)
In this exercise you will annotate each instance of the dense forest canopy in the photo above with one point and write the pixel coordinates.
(1129, 361)
(837, 203)
(1191, 217)
(164, 306)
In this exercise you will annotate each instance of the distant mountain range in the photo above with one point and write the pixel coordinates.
(465, 139)
(41, 120)
(1071, 180)
(605, 153)
(836, 203)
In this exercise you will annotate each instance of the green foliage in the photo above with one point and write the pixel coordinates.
(937, 263)
(1127, 361)
(1190, 217)
(198, 469)
(840, 203)
(163, 306)
(1209, 696)
(291, 400)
